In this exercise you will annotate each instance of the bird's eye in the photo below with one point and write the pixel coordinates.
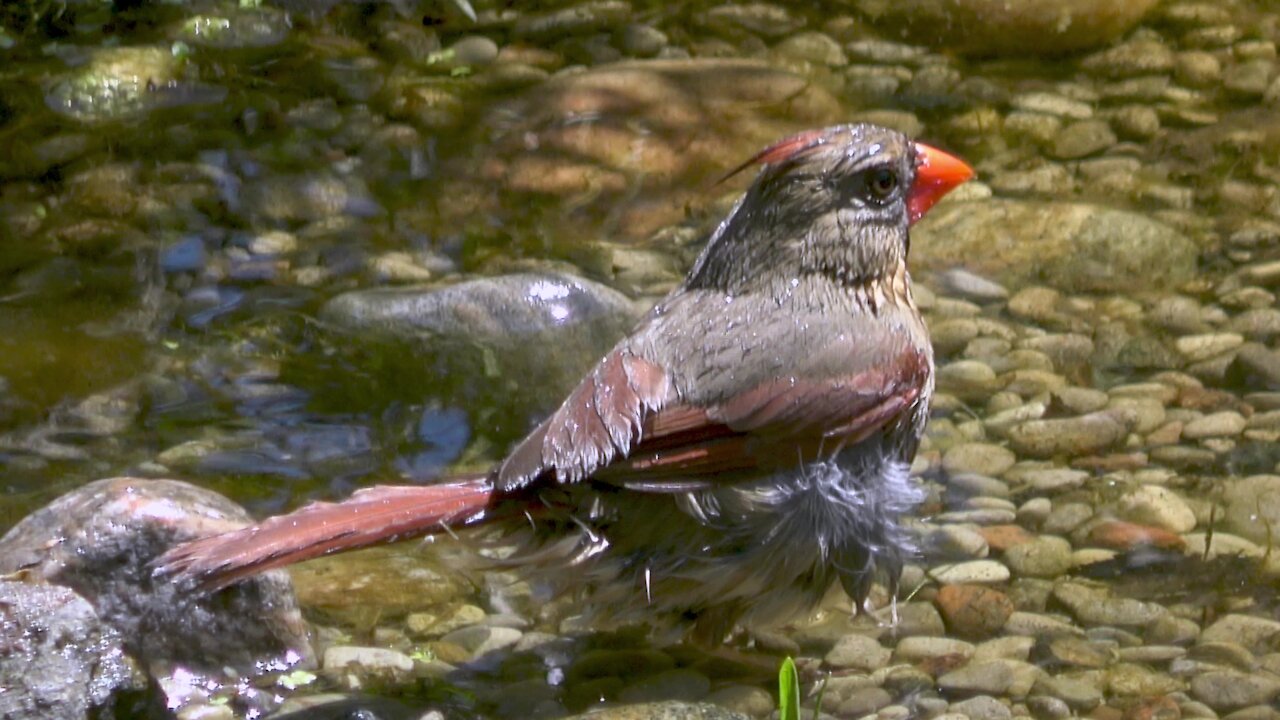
(882, 182)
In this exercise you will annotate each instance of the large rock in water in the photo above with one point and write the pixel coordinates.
(100, 540)
(57, 660)
(1075, 247)
(517, 343)
(1002, 27)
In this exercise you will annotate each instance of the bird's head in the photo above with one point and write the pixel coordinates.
(836, 201)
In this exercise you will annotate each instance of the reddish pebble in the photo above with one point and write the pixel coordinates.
(973, 611)
(1002, 537)
(1162, 707)
(1120, 535)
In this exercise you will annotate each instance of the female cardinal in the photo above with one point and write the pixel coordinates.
(744, 448)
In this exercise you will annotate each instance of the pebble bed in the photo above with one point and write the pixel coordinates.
(1103, 462)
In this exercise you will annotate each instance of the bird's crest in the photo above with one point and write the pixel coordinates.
(785, 149)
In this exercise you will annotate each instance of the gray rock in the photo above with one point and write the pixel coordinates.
(1227, 423)
(539, 332)
(581, 19)
(1079, 693)
(100, 541)
(982, 707)
(764, 19)
(1082, 139)
(1129, 59)
(643, 40)
(474, 50)
(1197, 68)
(814, 47)
(1255, 633)
(858, 652)
(1259, 366)
(863, 701)
(993, 677)
(1037, 625)
(59, 660)
(916, 649)
(1083, 435)
(1252, 506)
(955, 542)
(370, 659)
(1228, 689)
(1044, 707)
(978, 458)
(1096, 606)
(745, 699)
(1157, 506)
(1249, 79)
(1046, 556)
(482, 639)
(1076, 247)
(974, 572)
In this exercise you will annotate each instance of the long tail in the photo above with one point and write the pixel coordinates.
(376, 515)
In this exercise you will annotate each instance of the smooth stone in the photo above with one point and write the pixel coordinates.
(1252, 506)
(1081, 139)
(481, 639)
(745, 699)
(814, 47)
(1095, 606)
(1066, 517)
(1227, 423)
(917, 649)
(955, 542)
(369, 659)
(1078, 247)
(1228, 689)
(1151, 654)
(1083, 435)
(1250, 631)
(993, 677)
(1010, 647)
(1196, 348)
(1035, 511)
(979, 458)
(1050, 480)
(858, 652)
(1037, 625)
(1130, 680)
(1046, 556)
(982, 707)
(1159, 507)
(1079, 693)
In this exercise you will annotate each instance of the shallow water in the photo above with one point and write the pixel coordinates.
(186, 187)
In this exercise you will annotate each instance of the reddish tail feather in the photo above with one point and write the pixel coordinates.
(371, 516)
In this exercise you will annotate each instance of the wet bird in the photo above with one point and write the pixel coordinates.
(745, 448)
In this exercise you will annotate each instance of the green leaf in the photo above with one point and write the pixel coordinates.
(788, 691)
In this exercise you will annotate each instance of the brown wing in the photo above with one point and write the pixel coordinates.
(624, 423)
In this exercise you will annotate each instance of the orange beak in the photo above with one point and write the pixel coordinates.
(937, 173)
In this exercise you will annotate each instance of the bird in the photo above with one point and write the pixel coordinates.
(744, 449)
